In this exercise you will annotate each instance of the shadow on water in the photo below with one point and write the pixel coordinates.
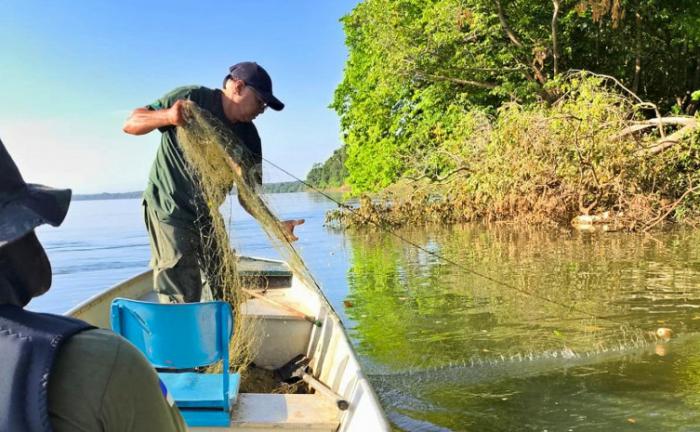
(448, 349)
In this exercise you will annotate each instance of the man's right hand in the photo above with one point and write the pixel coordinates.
(176, 114)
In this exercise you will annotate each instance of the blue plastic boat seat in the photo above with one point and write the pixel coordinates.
(197, 390)
(198, 418)
(185, 336)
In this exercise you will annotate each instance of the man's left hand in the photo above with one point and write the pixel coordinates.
(288, 227)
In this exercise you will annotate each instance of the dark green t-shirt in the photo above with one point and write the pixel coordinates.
(171, 189)
(100, 382)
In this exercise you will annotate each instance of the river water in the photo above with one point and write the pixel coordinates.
(556, 337)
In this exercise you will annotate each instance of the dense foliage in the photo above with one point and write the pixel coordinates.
(420, 72)
(549, 163)
(331, 173)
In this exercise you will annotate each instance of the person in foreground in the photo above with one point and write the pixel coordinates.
(171, 199)
(58, 373)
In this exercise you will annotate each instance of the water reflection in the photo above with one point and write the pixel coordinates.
(491, 357)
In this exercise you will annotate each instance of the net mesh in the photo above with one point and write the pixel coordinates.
(217, 161)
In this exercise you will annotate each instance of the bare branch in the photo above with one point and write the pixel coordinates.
(501, 16)
(631, 93)
(681, 120)
(439, 180)
(673, 207)
(646, 124)
(519, 67)
(669, 141)
(479, 84)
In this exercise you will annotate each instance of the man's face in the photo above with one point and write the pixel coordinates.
(251, 104)
(248, 105)
(25, 271)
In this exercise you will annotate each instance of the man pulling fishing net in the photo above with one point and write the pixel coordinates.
(175, 203)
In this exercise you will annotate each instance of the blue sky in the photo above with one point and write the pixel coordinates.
(71, 72)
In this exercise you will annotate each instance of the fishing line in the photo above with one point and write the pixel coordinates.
(230, 213)
(563, 305)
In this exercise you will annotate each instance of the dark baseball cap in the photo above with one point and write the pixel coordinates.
(257, 78)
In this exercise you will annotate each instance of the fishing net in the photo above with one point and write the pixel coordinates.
(218, 160)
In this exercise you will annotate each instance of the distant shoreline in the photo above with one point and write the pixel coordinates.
(107, 196)
(282, 187)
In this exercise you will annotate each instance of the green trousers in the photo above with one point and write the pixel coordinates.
(181, 267)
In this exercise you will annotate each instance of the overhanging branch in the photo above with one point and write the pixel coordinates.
(506, 28)
(479, 84)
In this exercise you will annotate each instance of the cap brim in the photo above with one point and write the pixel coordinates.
(269, 99)
(273, 102)
(36, 205)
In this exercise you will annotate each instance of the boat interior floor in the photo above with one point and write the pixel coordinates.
(258, 380)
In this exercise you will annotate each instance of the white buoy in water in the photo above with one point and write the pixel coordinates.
(664, 333)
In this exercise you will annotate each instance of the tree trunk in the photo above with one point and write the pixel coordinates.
(555, 41)
(692, 108)
(685, 65)
(696, 80)
(540, 79)
(597, 47)
(638, 53)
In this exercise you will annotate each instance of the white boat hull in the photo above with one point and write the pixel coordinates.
(284, 335)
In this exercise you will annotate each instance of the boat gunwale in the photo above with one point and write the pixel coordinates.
(95, 298)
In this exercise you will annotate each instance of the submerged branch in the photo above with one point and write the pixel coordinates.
(671, 208)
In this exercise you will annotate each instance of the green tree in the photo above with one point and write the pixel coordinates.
(416, 69)
(331, 173)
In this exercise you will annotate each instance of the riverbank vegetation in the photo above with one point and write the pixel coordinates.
(540, 112)
(330, 174)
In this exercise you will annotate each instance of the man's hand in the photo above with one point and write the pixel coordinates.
(176, 114)
(288, 227)
(143, 120)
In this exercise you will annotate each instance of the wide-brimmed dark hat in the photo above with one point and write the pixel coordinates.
(24, 206)
(257, 78)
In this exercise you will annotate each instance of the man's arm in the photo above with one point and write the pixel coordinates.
(253, 178)
(143, 120)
